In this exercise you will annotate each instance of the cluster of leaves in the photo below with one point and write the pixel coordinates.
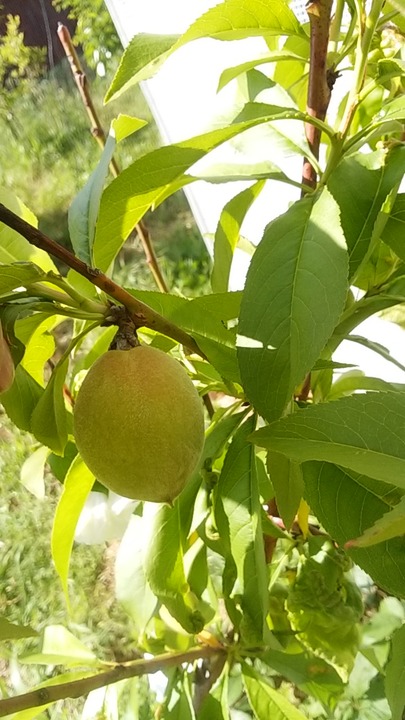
(274, 600)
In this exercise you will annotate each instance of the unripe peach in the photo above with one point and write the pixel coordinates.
(139, 423)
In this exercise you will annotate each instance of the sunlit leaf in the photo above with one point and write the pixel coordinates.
(227, 235)
(32, 472)
(13, 246)
(78, 483)
(295, 291)
(60, 647)
(131, 587)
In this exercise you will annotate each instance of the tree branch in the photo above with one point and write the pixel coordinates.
(99, 134)
(141, 314)
(320, 81)
(77, 688)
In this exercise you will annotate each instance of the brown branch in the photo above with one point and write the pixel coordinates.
(141, 314)
(98, 133)
(319, 82)
(77, 688)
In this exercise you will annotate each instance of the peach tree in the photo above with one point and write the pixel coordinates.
(245, 589)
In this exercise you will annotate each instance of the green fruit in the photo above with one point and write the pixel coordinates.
(139, 424)
(7, 370)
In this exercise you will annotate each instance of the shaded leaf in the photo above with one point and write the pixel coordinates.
(11, 631)
(287, 481)
(347, 504)
(395, 675)
(295, 292)
(394, 230)
(227, 235)
(238, 513)
(78, 483)
(49, 419)
(19, 402)
(361, 433)
(390, 525)
(19, 274)
(265, 701)
(360, 185)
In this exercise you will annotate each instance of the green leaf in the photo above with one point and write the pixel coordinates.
(78, 483)
(233, 72)
(238, 510)
(60, 647)
(265, 701)
(227, 234)
(32, 472)
(287, 481)
(394, 230)
(395, 675)
(23, 396)
(239, 19)
(131, 587)
(19, 274)
(40, 345)
(377, 348)
(324, 606)
(295, 292)
(154, 177)
(360, 433)
(312, 674)
(11, 631)
(360, 185)
(140, 61)
(13, 246)
(164, 566)
(49, 421)
(347, 383)
(346, 504)
(84, 209)
(390, 525)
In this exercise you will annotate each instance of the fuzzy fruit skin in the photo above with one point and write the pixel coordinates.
(7, 370)
(139, 423)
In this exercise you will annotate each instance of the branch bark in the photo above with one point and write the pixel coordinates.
(98, 133)
(141, 314)
(320, 80)
(77, 688)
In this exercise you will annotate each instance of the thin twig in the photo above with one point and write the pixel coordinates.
(77, 688)
(319, 81)
(98, 133)
(141, 314)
